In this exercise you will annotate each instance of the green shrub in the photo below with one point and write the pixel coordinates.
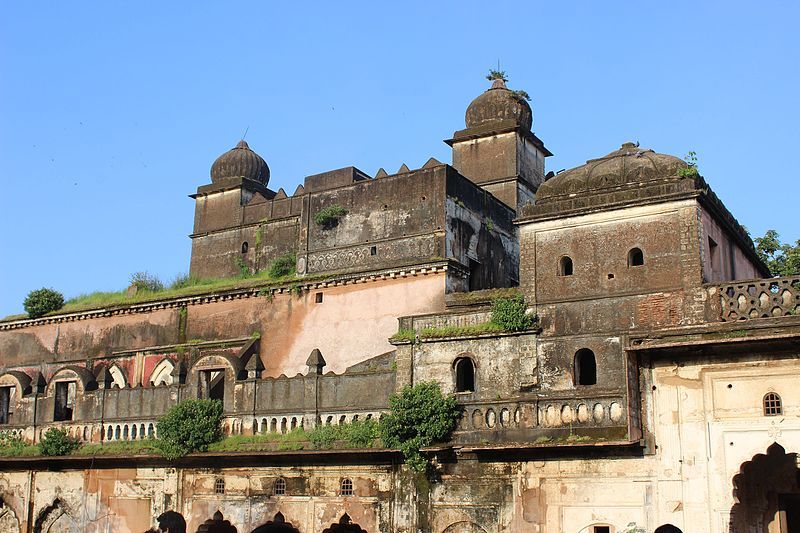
(509, 313)
(325, 436)
(189, 426)
(145, 281)
(418, 416)
(282, 266)
(43, 301)
(329, 216)
(181, 281)
(362, 433)
(15, 446)
(690, 170)
(56, 441)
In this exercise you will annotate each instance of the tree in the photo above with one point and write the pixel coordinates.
(189, 427)
(43, 301)
(783, 259)
(419, 416)
(56, 441)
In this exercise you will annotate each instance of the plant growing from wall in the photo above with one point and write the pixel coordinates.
(690, 170)
(242, 267)
(282, 266)
(259, 237)
(56, 441)
(43, 301)
(510, 313)
(418, 416)
(519, 94)
(145, 281)
(328, 217)
(496, 75)
(189, 426)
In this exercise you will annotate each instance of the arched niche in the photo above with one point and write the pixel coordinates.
(55, 518)
(464, 526)
(84, 379)
(212, 376)
(22, 382)
(345, 525)
(162, 374)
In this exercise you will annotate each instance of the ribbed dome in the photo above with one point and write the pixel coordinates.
(240, 162)
(630, 166)
(496, 104)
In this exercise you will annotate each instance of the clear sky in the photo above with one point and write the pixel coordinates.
(111, 113)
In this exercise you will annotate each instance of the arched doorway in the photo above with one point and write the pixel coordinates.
(277, 525)
(345, 525)
(55, 518)
(464, 527)
(767, 493)
(216, 524)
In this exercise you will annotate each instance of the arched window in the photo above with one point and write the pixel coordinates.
(346, 487)
(280, 486)
(118, 377)
(219, 485)
(635, 257)
(565, 266)
(772, 405)
(465, 374)
(585, 367)
(245, 247)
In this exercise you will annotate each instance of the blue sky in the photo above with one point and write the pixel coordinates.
(111, 113)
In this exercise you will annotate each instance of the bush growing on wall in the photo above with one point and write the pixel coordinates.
(189, 427)
(55, 441)
(509, 313)
(43, 301)
(282, 266)
(418, 416)
(329, 216)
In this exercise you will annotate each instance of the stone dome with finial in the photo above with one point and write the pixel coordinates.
(499, 103)
(240, 162)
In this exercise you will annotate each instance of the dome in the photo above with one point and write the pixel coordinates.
(240, 162)
(630, 166)
(497, 104)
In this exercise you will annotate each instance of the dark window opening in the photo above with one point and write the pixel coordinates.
(474, 275)
(772, 405)
(212, 385)
(713, 254)
(585, 367)
(245, 247)
(318, 297)
(5, 404)
(635, 257)
(465, 375)
(219, 486)
(280, 486)
(64, 401)
(601, 529)
(565, 266)
(347, 487)
(373, 250)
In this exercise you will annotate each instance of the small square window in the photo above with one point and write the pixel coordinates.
(318, 297)
(373, 250)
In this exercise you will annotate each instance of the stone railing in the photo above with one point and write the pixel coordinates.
(446, 320)
(545, 413)
(760, 298)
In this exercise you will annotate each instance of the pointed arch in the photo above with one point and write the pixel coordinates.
(345, 525)
(55, 517)
(162, 373)
(117, 377)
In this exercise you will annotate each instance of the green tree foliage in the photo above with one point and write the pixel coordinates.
(189, 426)
(329, 216)
(496, 75)
(509, 313)
(419, 416)
(783, 259)
(145, 281)
(43, 301)
(690, 170)
(56, 441)
(282, 266)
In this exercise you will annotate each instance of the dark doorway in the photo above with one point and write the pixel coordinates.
(465, 375)
(585, 367)
(277, 525)
(345, 525)
(212, 385)
(64, 401)
(767, 492)
(475, 278)
(5, 404)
